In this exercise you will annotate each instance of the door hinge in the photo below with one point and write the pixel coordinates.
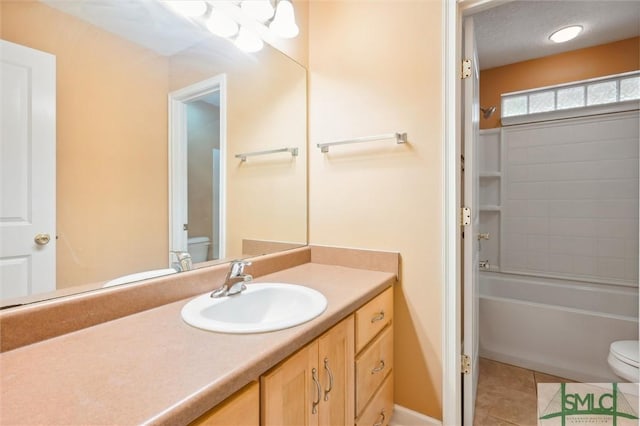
(465, 216)
(466, 68)
(185, 226)
(465, 364)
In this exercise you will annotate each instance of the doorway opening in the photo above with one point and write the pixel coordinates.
(530, 237)
(197, 152)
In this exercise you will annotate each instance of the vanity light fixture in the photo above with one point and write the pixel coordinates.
(248, 41)
(565, 34)
(260, 10)
(284, 21)
(247, 23)
(219, 23)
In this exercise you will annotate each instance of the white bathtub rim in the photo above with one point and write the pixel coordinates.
(577, 284)
(576, 278)
(562, 308)
(570, 294)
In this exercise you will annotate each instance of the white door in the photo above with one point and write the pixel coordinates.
(471, 112)
(27, 171)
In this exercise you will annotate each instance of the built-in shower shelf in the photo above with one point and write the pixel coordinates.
(490, 208)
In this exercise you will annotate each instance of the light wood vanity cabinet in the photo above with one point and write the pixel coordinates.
(242, 408)
(374, 361)
(316, 385)
(341, 378)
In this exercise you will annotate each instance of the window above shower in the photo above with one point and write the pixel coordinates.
(571, 99)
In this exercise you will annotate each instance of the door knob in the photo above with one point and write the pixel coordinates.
(42, 239)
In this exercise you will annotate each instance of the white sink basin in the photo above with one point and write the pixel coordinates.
(261, 307)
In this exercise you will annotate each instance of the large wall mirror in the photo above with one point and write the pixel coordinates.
(131, 136)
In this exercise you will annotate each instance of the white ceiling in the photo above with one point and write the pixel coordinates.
(519, 30)
(148, 23)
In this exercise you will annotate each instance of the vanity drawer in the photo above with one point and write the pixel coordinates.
(372, 366)
(380, 409)
(373, 317)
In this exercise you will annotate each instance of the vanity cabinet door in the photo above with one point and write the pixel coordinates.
(336, 365)
(242, 408)
(291, 393)
(316, 386)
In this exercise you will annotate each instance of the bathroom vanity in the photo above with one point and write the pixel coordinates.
(151, 367)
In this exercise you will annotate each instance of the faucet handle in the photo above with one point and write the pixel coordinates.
(181, 254)
(184, 259)
(237, 267)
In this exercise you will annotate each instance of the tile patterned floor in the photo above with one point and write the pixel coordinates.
(506, 394)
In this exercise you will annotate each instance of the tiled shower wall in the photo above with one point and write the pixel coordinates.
(570, 198)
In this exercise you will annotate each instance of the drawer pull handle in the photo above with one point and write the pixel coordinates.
(379, 368)
(314, 404)
(377, 317)
(326, 367)
(382, 417)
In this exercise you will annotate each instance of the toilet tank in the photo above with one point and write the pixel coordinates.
(198, 248)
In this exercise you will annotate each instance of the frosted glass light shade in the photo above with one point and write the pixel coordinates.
(260, 10)
(248, 41)
(190, 8)
(284, 23)
(221, 24)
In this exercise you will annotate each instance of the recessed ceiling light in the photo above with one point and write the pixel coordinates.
(566, 34)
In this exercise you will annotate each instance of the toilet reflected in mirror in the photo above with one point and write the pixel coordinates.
(199, 248)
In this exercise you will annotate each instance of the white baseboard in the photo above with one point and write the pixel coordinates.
(403, 416)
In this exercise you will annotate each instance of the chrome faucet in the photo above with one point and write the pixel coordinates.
(234, 282)
(184, 261)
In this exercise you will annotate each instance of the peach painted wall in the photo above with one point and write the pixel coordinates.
(612, 58)
(376, 68)
(111, 152)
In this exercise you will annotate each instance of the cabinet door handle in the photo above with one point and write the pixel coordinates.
(326, 367)
(381, 421)
(379, 368)
(377, 317)
(314, 404)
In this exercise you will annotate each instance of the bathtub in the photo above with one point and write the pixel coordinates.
(558, 327)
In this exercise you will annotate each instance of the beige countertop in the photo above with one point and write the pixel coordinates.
(151, 367)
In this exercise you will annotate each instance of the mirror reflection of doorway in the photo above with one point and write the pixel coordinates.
(197, 171)
(203, 177)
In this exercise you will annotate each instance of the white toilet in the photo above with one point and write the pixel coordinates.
(198, 248)
(623, 359)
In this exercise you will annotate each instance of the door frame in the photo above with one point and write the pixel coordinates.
(178, 212)
(453, 13)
